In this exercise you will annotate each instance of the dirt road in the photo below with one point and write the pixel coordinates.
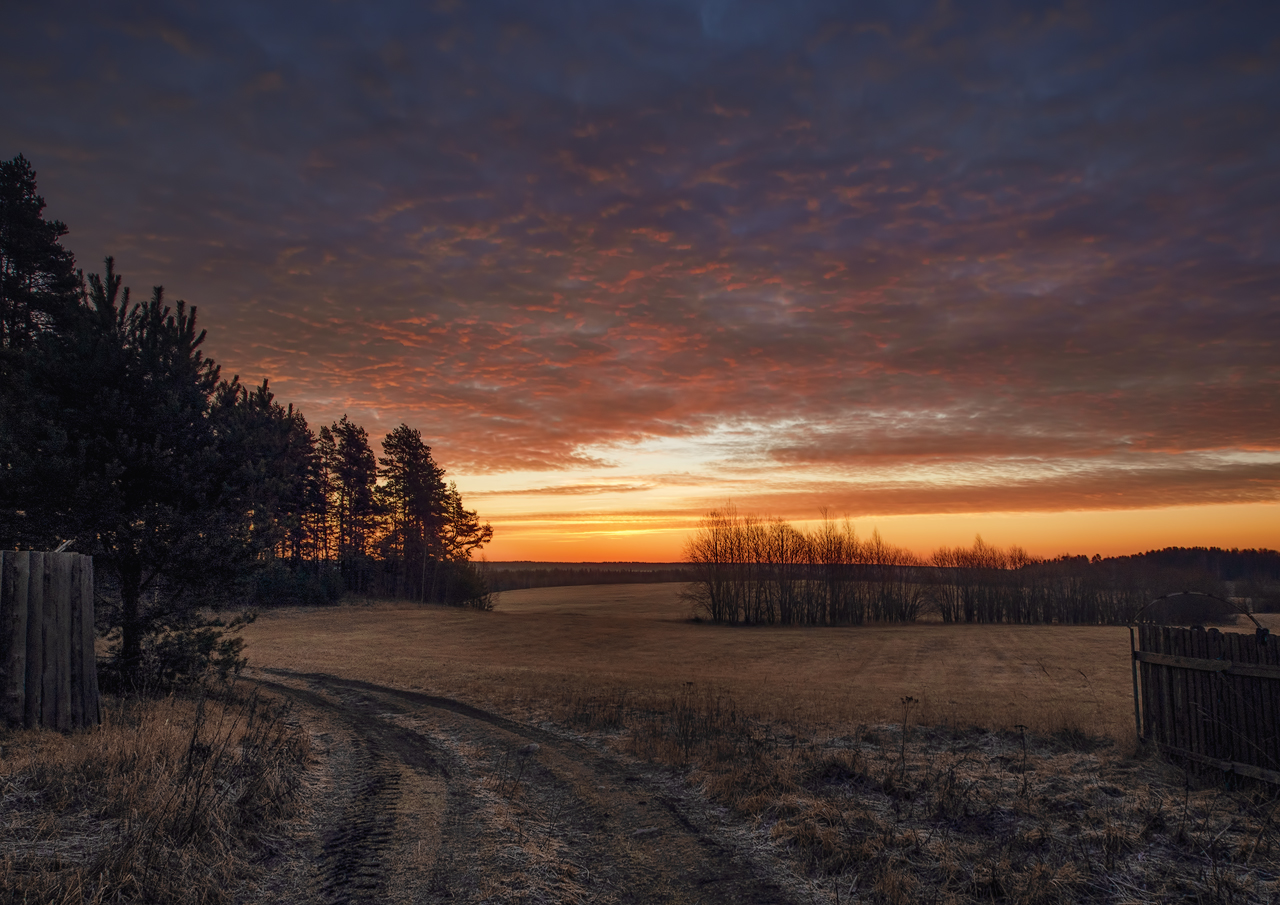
(416, 798)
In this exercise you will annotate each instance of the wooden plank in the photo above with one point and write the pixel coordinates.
(1209, 682)
(1178, 679)
(1159, 695)
(14, 571)
(1246, 750)
(1248, 694)
(63, 646)
(1155, 693)
(1144, 686)
(1139, 687)
(1260, 671)
(1180, 697)
(1195, 716)
(49, 643)
(75, 638)
(1239, 750)
(56, 703)
(1133, 675)
(1230, 706)
(1270, 656)
(1167, 677)
(1163, 732)
(1250, 770)
(1182, 662)
(1186, 647)
(1269, 730)
(92, 700)
(1263, 755)
(1265, 731)
(1249, 659)
(35, 644)
(1199, 693)
(1217, 700)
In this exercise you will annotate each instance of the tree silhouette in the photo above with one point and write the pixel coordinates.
(350, 473)
(427, 525)
(415, 501)
(38, 280)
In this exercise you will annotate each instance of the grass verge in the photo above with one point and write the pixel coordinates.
(170, 800)
(899, 813)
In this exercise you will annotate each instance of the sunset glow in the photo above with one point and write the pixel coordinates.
(942, 271)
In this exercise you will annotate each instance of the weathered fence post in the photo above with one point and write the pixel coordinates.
(48, 666)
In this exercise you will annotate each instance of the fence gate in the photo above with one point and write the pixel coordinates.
(48, 666)
(1209, 697)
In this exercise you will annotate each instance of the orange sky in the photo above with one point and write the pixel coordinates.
(575, 537)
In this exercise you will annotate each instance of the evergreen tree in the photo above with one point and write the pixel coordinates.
(118, 453)
(414, 498)
(273, 478)
(463, 533)
(350, 474)
(38, 279)
(430, 536)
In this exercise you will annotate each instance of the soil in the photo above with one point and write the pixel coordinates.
(415, 798)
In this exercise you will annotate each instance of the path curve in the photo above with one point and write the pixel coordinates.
(426, 799)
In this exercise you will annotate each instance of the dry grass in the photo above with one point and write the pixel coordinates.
(903, 813)
(168, 801)
(917, 763)
(541, 645)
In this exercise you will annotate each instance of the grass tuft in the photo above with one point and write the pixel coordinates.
(169, 801)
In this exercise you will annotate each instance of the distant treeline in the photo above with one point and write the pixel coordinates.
(515, 579)
(1225, 565)
(748, 570)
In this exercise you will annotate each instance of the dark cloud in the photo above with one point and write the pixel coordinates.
(887, 235)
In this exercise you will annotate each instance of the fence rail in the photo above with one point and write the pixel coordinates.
(1210, 697)
(48, 665)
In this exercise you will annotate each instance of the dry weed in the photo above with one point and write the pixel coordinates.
(165, 802)
(894, 813)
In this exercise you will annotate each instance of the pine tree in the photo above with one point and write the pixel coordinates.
(38, 279)
(350, 474)
(119, 455)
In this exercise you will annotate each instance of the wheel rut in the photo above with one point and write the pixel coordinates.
(511, 812)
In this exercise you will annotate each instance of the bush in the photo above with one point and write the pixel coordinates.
(179, 656)
(282, 584)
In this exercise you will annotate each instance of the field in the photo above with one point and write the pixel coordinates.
(888, 764)
(544, 644)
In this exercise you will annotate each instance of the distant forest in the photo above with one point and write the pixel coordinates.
(1256, 570)
(514, 576)
(121, 439)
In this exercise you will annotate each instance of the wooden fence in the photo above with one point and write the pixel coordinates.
(1210, 697)
(48, 666)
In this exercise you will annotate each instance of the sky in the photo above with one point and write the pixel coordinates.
(942, 268)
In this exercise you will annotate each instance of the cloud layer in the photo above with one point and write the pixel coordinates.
(913, 258)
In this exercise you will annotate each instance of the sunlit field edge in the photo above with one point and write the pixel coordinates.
(541, 646)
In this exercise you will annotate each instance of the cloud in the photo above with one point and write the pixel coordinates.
(886, 237)
(568, 490)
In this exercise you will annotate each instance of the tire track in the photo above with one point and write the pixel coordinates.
(530, 815)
